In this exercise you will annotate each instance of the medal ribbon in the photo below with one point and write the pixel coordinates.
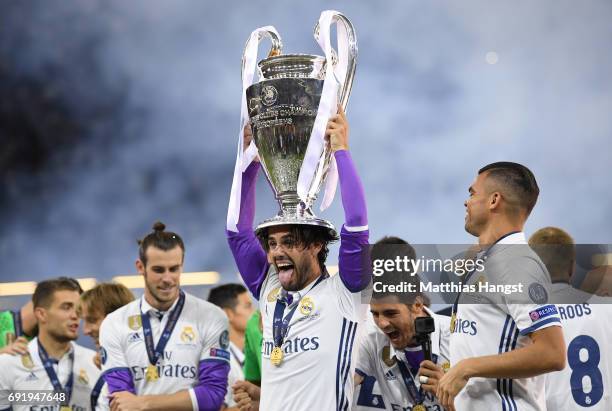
(17, 323)
(154, 352)
(280, 325)
(95, 393)
(57, 386)
(467, 277)
(416, 394)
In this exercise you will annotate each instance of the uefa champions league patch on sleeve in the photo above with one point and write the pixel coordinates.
(103, 355)
(219, 353)
(224, 339)
(538, 293)
(543, 312)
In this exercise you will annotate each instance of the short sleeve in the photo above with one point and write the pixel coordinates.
(215, 336)
(366, 360)
(530, 307)
(112, 356)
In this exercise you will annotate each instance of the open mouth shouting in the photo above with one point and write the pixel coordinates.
(285, 268)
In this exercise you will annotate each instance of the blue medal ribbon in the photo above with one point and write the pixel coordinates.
(57, 386)
(280, 325)
(416, 394)
(17, 323)
(95, 392)
(467, 277)
(154, 352)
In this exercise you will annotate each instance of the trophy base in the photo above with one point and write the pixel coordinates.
(281, 220)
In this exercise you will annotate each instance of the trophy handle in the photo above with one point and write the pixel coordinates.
(275, 50)
(351, 64)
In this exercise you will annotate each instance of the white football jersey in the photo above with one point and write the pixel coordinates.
(201, 333)
(378, 358)
(317, 372)
(26, 372)
(235, 374)
(501, 323)
(586, 381)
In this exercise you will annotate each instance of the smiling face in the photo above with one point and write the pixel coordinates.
(396, 320)
(162, 276)
(297, 265)
(92, 319)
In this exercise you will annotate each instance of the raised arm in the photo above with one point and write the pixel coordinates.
(354, 235)
(250, 257)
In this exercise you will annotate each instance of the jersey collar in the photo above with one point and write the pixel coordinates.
(514, 238)
(33, 350)
(147, 308)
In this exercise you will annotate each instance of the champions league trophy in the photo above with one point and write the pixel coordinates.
(288, 110)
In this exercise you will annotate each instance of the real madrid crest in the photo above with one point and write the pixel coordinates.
(446, 366)
(273, 295)
(26, 361)
(188, 335)
(306, 306)
(135, 322)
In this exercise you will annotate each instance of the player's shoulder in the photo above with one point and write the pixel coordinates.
(120, 317)
(84, 357)
(516, 262)
(202, 310)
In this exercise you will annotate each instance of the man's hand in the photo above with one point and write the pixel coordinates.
(337, 131)
(247, 138)
(126, 401)
(246, 395)
(451, 384)
(433, 373)
(17, 347)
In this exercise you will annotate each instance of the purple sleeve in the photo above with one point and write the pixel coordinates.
(353, 197)
(119, 379)
(212, 384)
(250, 257)
(354, 236)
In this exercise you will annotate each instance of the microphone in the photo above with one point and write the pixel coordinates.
(423, 327)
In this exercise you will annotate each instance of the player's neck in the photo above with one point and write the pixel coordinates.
(28, 321)
(237, 338)
(496, 230)
(54, 348)
(159, 305)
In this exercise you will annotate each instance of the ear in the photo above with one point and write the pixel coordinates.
(140, 267)
(494, 200)
(417, 306)
(40, 314)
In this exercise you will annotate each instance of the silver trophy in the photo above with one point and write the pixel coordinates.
(282, 109)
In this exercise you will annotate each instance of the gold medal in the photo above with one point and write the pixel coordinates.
(453, 321)
(419, 407)
(151, 374)
(65, 408)
(277, 356)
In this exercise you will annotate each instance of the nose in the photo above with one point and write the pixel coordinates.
(87, 328)
(382, 322)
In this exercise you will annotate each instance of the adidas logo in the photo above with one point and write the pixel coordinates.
(389, 376)
(31, 377)
(134, 337)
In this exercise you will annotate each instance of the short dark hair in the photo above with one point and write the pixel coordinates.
(226, 295)
(516, 182)
(388, 248)
(107, 297)
(305, 235)
(164, 240)
(43, 295)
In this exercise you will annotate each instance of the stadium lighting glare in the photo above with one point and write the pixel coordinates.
(197, 278)
(17, 288)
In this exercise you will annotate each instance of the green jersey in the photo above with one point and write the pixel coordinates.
(252, 349)
(8, 332)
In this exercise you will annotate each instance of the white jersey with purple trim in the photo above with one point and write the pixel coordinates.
(235, 374)
(26, 372)
(201, 334)
(378, 358)
(492, 324)
(318, 366)
(586, 381)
